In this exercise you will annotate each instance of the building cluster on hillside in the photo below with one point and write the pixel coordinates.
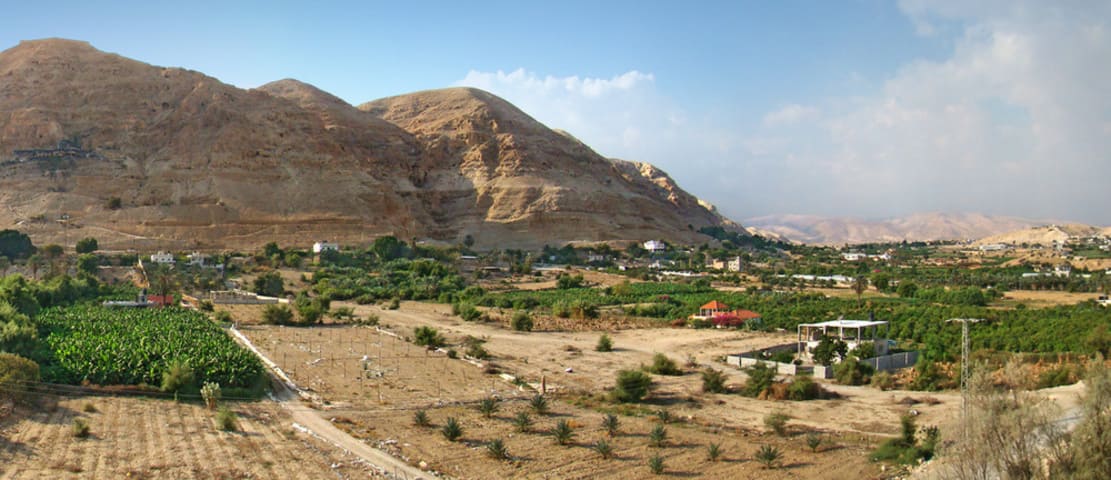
(196, 259)
(860, 256)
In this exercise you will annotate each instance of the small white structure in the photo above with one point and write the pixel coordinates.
(734, 264)
(1062, 270)
(853, 256)
(197, 258)
(993, 247)
(852, 332)
(655, 246)
(319, 247)
(1104, 300)
(162, 257)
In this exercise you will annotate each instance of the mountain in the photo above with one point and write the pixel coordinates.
(917, 227)
(1046, 235)
(196, 163)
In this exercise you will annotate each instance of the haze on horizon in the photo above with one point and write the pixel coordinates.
(863, 108)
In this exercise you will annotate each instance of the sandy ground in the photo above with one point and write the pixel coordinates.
(1044, 298)
(147, 438)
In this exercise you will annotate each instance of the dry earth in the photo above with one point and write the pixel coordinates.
(148, 438)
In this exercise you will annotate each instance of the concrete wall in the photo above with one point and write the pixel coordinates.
(894, 361)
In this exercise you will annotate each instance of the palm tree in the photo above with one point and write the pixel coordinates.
(860, 284)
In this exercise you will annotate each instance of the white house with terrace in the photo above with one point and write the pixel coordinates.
(852, 332)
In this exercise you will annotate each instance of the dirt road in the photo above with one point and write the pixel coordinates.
(290, 397)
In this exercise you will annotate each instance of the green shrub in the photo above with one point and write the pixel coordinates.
(488, 407)
(420, 419)
(883, 380)
(852, 371)
(539, 404)
(276, 314)
(657, 436)
(605, 344)
(223, 317)
(427, 337)
(768, 456)
(656, 464)
(777, 422)
(467, 312)
(803, 387)
(177, 377)
(17, 374)
(475, 348)
(497, 450)
(760, 379)
(80, 428)
(226, 420)
(661, 365)
(713, 452)
(522, 422)
(452, 430)
(1055, 377)
(814, 441)
(521, 322)
(563, 433)
(611, 424)
(604, 449)
(631, 386)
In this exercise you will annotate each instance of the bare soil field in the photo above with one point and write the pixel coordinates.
(1046, 298)
(371, 384)
(149, 438)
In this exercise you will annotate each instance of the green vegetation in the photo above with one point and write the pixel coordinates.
(605, 344)
(661, 365)
(80, 428)
(814, 441)
(427, 337)
(87, 245)
(563, 433)
(497, 450)
(522, 422)
(777, 422)
(521, 322)
(14, 244)
(539, 404)
(906, 449)
(769, 456)
(611, 424)
(420, 419)
(148, 346)
(657, 436)
(488, 407)
(604, 449)
(17, 376)
(713, 381)
(226, 420)
(656, 464)
(276, 314)
(631, 386)
(269, 284)
(452, 430)
(713, 452)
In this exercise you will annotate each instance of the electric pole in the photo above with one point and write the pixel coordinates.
(966, 347)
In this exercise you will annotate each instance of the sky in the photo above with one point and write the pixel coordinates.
(860, 108)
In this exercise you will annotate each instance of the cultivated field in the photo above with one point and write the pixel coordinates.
(147, 438)
(377, 401)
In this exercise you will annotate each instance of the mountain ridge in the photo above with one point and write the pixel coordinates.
(197, 163)
(929, 226)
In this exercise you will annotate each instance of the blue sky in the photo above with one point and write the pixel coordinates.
(860, 108)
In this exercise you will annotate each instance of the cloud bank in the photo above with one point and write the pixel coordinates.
(1016, 120)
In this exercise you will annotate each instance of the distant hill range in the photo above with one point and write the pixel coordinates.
(1047, 235)
(142, 156)
(812, 229)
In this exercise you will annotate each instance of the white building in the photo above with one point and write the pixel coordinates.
(1062, 270)
(852, 332)
(162, 257)
(733, 264)
(655, 246)
(197, 258)
(853, 256)
(993, 247)
(319, 247)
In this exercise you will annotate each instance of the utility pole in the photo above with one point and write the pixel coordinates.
(966, 348)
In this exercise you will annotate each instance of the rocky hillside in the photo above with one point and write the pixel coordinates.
(1046, 235)
(921, 227)
(197, 163)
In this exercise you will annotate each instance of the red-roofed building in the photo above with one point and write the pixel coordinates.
(711, 309)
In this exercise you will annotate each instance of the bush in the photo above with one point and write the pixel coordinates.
(496, 449)
(276, 314)
(475, 348)
(563, 433)
(852, 372)
(827, 349)
(452, 430)
(177, 377)
(226, 420)
(522, 422)
(804, 388)
(814, 441)
(113, 203)
(223, 317)
(427, 337)
(713, 381)
(713, 452)
(210, 392)
(269, 284)
(777, 422)
(539, 404)
(467, 311)
(488, 407)
(604, 449)
(1056, 377)
(657, 436)
(420, 419)
(883, 381)
(521, 322)
(80, 428)
(87, 245)
(632, 386)
(661, 365)
(656, 464)
(760, 379)
(605, 344)
(768, 456)
(611, 424)
(17, 374)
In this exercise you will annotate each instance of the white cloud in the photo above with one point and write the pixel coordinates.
(790, 115)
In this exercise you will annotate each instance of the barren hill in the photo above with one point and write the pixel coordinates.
(918, 227)
(1045, 235)
(198, 163)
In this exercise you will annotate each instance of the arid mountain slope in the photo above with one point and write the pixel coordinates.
(198, 163)
(1046, 235)
(922, 227)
